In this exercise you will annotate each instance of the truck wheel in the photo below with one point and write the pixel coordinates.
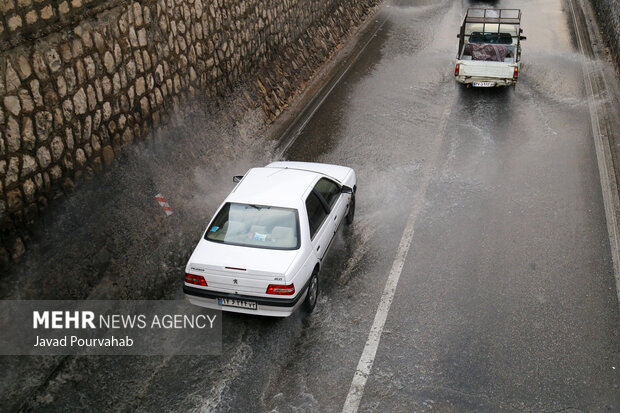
(351, 212)
(313, 293)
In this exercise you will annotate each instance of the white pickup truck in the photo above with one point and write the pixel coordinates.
(489, 48)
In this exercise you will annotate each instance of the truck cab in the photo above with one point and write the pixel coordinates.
(489, 51)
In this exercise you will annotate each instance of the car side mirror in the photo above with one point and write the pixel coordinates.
(520, 30)
(237, 178)
(346, 190)
(458, 36)
(522, 38)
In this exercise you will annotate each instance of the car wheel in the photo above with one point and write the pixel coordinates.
(313, 293)
(351, 213)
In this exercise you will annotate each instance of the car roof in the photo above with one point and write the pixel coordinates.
(274, 187)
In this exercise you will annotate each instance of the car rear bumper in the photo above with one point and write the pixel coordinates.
(273, 307)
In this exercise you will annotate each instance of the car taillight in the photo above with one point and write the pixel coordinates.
(456, 69)
(195, 279)
(278, 289)
(516, 74)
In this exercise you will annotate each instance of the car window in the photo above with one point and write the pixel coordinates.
(316, 213)
(255, 226)
(329, 190)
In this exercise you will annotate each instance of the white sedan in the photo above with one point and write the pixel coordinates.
(262, 252)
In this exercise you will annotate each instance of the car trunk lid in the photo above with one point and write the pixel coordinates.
(239, 270)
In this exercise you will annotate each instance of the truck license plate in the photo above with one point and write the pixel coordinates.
(232, 302)
(484, 84)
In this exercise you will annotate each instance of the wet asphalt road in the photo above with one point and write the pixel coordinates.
(507, 297)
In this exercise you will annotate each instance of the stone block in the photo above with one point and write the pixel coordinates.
(99, 42)
(28, 138)
(79, 102)
(61, 86)
(76, 47)
(63, 8)
(95, 143)
(80, 71)
(14, 22)
(118, 53)
(131, 69)
(137, 14)
(65, 52)
(53, 60)
(70, 78)
(90, 67)
(67, 109)
(34, 89)
(87, 129)
(116, 83)
(69, 139)
(23, 67)
(29, 189)
(57, 147)
(13, 136)
(107, 86)
(12, 173)
(47, 12)
(14, 200)
(31, 17)
(98, 90)
(91, 97)
(80, 157)
(43, 125)
(27, 103)
(12, 105)
(12, 79)
(7, 6)
(107, 111)
(108, 62)
(55, 173)
(133, 37)
(58, 117)
(39, 66)
(140, 86)
(142, 37)
(145, 107)
(29, 166)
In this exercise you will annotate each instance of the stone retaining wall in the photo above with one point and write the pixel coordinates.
(81, 79)
(608, 16)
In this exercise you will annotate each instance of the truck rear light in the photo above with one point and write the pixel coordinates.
(195, 279)
(278, 289)
(456, 69)
(515, 76)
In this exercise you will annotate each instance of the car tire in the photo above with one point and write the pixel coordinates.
(351, 212)
(312, 295)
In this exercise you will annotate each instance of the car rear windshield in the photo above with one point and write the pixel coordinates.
(256, 226)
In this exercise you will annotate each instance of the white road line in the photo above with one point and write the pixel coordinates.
(356, 391)
(611, 199)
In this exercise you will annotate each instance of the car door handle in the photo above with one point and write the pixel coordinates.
(318, 248)
(336, 217)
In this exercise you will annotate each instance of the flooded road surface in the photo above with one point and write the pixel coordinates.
(506, 297)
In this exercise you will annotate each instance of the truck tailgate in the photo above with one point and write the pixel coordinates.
(486, 69)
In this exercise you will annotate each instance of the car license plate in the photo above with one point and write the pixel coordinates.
(484, 84)
(233, 302)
